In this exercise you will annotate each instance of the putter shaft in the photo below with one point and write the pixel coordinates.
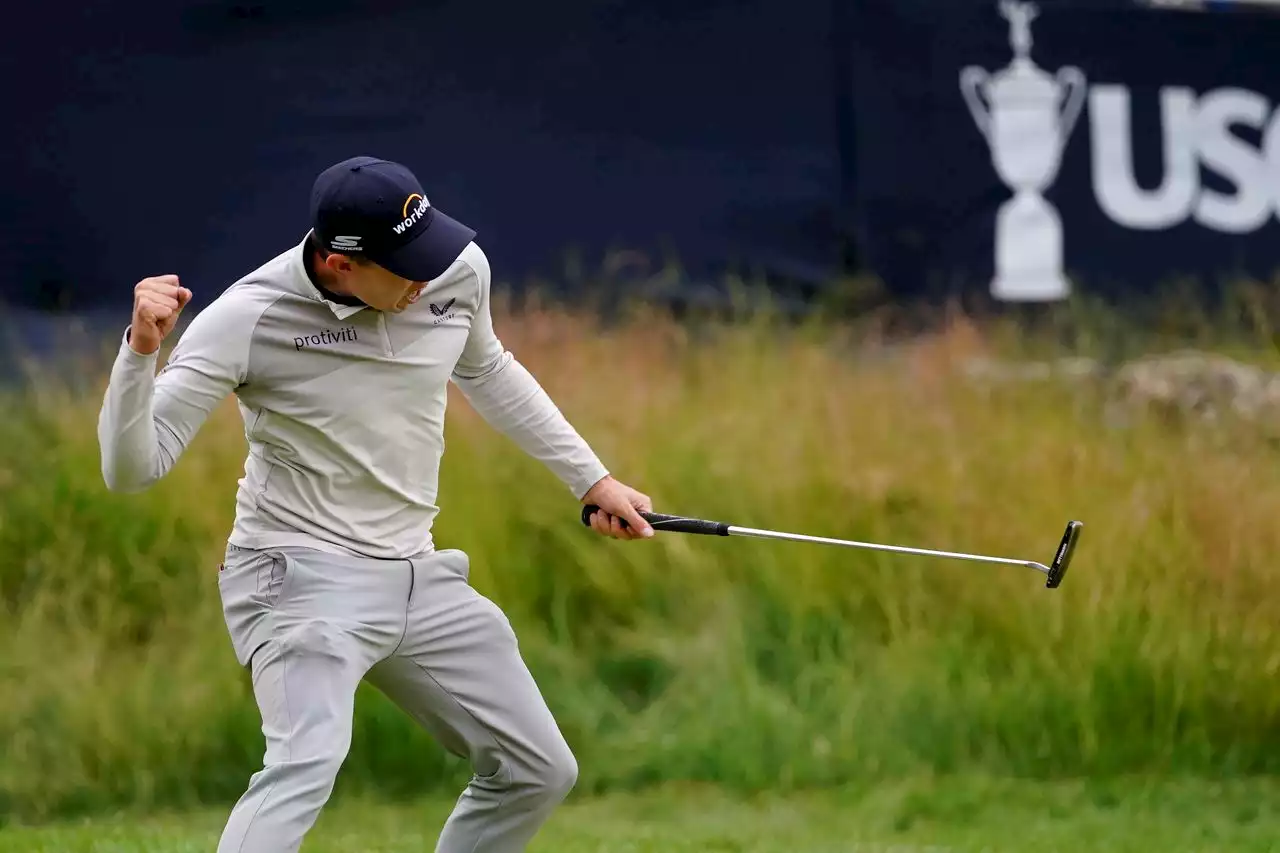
(899, 549)
(708, 527)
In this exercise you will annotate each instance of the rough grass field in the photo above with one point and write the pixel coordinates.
(965, 815)
(754, 666)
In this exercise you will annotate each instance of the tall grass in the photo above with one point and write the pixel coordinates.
(749, 663)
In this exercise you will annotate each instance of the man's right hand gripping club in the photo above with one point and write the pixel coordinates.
(157, 302)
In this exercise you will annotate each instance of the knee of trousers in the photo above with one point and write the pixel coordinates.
(311, 775)
(554, 774)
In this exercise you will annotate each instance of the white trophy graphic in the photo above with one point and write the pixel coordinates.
(1027, 126)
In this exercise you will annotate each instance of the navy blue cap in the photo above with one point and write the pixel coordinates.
(365, 206)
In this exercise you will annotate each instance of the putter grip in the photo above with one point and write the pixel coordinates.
(670, 523)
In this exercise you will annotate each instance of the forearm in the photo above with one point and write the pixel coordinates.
(136, 450)
(511, 400)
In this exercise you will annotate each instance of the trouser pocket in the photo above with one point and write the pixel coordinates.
(252, 584)
(454, 561)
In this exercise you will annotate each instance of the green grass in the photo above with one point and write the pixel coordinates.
(750, 665)
(920, 816)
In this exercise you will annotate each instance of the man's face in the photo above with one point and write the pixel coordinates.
(376, 286)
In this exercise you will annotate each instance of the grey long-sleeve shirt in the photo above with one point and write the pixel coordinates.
(343, 406)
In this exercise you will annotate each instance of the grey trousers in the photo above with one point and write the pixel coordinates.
(311, 626)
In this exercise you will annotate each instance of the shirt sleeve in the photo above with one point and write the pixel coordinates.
(511, 400)
(147, 421)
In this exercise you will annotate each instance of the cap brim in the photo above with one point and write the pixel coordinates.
(432, 250)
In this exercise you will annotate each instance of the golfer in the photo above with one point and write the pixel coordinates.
(339, 352)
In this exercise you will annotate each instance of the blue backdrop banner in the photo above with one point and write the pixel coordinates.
(182, 136)
(1025, 151)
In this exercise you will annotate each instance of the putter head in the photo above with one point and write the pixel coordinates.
(1061, 560)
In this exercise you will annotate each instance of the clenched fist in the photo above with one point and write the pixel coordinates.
(157, 302)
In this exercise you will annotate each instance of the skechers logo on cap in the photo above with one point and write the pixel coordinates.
(325, 338)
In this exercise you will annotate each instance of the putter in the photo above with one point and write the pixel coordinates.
(1055, 571)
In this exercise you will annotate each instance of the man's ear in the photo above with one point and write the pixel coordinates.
(339, 263)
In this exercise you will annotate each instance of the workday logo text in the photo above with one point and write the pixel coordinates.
(411, 213)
